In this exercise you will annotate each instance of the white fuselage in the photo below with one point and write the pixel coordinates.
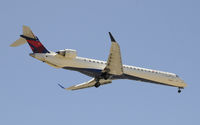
(92, 66)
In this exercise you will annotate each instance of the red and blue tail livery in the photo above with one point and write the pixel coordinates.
(35, 44)
(32, 40)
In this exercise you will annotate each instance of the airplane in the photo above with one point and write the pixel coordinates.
(102, 72)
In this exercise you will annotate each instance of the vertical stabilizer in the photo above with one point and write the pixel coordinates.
(32, 40)
(27, 32)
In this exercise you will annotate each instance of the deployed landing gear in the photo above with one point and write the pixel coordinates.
(179, 90)
(105, 75)
(97, 84)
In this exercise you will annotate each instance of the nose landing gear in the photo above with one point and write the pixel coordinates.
(179, 90)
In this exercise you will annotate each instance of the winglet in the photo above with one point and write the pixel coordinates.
(61, 86)
(111, 37)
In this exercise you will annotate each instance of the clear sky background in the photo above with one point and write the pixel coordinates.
(156, 34)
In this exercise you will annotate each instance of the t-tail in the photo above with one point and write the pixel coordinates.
(31, 39)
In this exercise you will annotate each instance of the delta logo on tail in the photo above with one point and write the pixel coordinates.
(35, 45)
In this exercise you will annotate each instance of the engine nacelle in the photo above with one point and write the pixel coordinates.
(67, 53)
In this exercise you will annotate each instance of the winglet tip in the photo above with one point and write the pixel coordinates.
(111, 37)
(61, 86)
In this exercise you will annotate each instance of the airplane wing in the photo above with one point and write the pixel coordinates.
(114, 62)
(88, 84)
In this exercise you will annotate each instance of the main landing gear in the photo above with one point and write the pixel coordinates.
(104, 75)
(97, 84)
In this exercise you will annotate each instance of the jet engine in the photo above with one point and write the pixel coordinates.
(67, 53)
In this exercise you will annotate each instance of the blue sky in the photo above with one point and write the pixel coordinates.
(157, 34)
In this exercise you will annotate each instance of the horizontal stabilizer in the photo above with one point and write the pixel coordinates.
(31, 39)
(18, 42)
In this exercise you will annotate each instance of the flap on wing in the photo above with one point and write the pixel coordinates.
(114, 62)
(88, 84)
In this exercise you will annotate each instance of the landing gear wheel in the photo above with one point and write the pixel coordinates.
(179, 90)
(105, 75)
(97, 84)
